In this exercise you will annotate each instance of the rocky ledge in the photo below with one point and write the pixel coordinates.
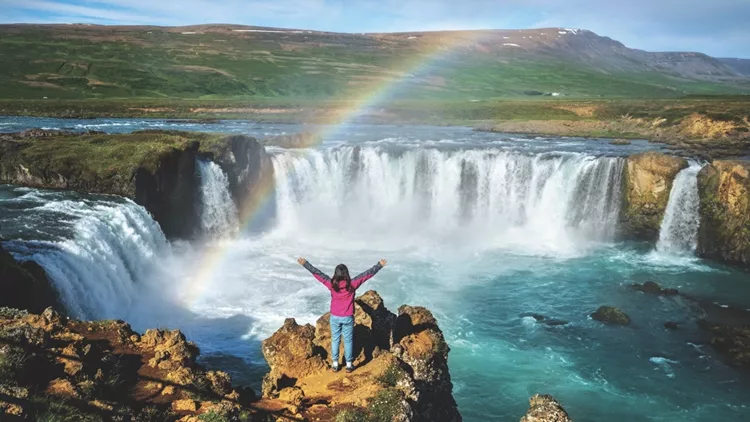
(402, 368)
(156, 169)
(68, 370)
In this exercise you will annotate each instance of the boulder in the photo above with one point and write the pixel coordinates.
(671, 325)
(544, 408)
(291, 353)
(611, 315)
(724, 231)
(652, 287)
(731, 341)
(169, 346)
(647, 182)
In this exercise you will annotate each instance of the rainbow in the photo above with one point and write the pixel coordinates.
(440, 45)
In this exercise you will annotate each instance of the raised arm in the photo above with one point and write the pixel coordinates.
(360, 279)
(319, 275)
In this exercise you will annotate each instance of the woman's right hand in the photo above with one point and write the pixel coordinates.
(383, 262)
(302, 261)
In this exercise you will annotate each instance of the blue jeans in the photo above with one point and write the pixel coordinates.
(345, 326)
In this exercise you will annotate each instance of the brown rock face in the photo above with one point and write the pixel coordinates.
(544, 408)
(291, 353)
(647, 183)
(401, 365)
(724, 232)
(105, 369)
(420, 344)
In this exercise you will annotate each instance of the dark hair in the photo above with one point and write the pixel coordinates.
(341, 274)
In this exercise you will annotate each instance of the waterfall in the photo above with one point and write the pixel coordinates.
(100, 269)
(485, 196)
(679, 228)
(218, 214)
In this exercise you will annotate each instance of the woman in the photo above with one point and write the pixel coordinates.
(342, 288)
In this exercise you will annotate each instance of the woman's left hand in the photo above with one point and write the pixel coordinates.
(302, 261)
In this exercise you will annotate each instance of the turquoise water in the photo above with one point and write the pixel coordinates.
(480, 264)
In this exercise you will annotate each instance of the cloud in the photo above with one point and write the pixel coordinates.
(717, 27)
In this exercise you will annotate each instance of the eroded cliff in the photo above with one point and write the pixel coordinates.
(647, 182)
(724, 233)
(157, 169)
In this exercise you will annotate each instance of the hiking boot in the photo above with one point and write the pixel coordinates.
(335, 368)
(349, 369)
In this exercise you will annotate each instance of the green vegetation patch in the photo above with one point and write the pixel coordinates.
(384, 407)
(103, 157)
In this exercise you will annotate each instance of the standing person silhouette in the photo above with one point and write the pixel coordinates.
(342, 288)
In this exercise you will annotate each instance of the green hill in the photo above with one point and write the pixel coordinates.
(235, 62)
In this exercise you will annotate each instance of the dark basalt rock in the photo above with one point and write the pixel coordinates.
(543, 319)
(671, 325)
(611, 315)
(652, 287)
(24, 285)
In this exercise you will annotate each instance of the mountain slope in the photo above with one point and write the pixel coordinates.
(221, 61)
(741, 66)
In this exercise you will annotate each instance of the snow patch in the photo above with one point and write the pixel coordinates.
(511, 44)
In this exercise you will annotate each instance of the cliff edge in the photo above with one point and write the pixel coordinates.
(156, 169)
(68, 370)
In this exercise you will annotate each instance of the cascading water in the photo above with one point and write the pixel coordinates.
(99, 270)
(679, 228)
(218, 212)
(483, 196)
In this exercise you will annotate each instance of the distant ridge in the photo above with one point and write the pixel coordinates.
(218, 60)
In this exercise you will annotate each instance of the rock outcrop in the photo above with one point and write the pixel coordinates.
(647, 182)
(653, 288)
(157, 169)
(402, 370)
(611, 315)
(53, 368)
(24, 285)
(724, 232)
(544, 408)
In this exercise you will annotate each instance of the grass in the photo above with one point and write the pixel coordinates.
(382, 408)
(422, 111)
(391, 376)
(68, 63)
(105, 157)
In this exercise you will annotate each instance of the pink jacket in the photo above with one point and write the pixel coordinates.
(342, 302)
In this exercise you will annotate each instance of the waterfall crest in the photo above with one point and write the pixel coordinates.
(100, 270)
(478, 195)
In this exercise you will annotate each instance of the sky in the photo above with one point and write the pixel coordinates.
(720, 28)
